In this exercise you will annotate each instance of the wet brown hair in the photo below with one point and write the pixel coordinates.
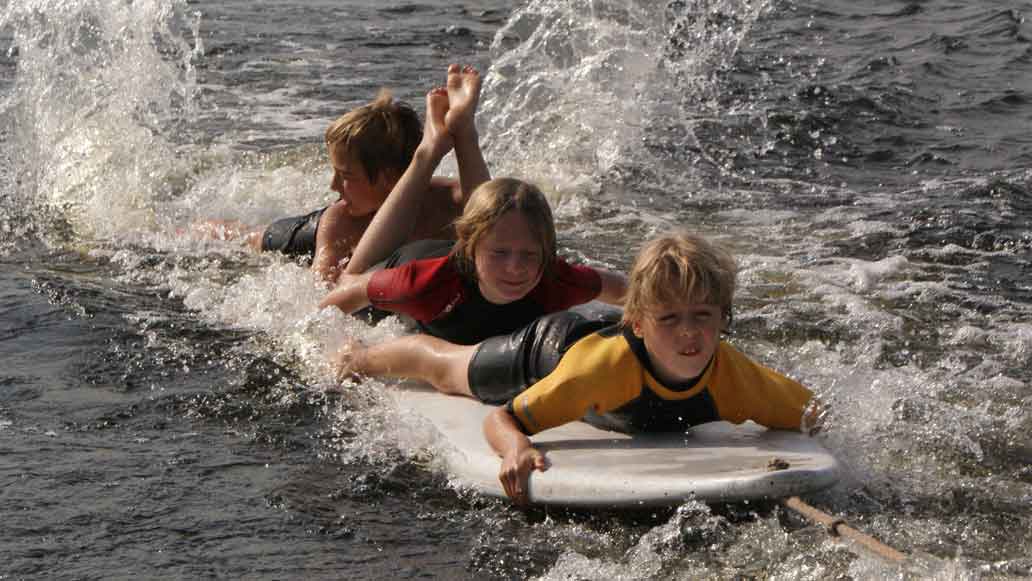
(382, 136)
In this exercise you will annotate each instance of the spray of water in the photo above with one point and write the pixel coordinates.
(101, 92)
(580, 90)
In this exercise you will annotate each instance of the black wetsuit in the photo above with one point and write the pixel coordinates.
(294, 236)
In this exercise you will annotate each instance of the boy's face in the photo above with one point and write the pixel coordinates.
(680, 338)
(357, 193)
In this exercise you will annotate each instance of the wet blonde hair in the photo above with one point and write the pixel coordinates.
(676, 268)
(487, 204)
(382, 136)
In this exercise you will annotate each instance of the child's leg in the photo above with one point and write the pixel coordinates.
(460, 120)
(435, 361)
(393, 223)
(226, 230)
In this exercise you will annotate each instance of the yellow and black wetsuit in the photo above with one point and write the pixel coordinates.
(605, 377)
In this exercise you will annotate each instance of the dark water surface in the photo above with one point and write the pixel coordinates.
(163, 402)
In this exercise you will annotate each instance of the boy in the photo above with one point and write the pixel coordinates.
(662, 367)
(374, 150)
(406, 214)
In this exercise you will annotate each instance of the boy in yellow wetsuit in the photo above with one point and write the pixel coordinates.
(663, 368)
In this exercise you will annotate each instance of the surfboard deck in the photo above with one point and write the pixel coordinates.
(595, 468)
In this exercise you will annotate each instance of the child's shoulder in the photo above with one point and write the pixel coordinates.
(420, 274)
(421, 288)
(566, 285)
(741, 369)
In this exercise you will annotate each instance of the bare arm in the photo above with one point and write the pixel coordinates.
(350, 293)
(519, 456)
(614, 287)
(337, 235)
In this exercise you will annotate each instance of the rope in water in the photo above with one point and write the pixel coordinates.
(838, 527)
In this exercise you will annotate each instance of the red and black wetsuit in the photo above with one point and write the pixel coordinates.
(447, 305)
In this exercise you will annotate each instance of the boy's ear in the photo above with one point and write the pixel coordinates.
(636, 328)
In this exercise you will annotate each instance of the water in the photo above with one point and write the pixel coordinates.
(163, 402)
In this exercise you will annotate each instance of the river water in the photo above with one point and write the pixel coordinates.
(164, 411)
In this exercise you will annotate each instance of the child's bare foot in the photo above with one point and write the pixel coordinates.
(463, 96)
(435, 130)
(213, 230)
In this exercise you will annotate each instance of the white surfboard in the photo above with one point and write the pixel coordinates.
(594, 468)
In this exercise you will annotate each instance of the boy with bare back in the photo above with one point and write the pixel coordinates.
(450, 122)
(375, 150)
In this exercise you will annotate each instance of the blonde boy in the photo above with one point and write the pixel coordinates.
(663, 368)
